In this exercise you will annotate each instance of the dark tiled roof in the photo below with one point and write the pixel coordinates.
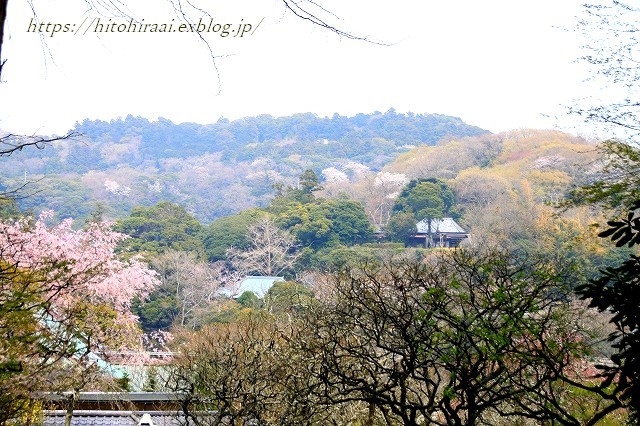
(130, 401)
(111, 418)
(116, 396)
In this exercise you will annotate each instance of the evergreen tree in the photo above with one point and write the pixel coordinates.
(617, 291)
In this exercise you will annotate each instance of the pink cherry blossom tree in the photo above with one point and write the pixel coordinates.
(65, 299)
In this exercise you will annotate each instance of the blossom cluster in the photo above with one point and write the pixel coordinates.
(76, 263)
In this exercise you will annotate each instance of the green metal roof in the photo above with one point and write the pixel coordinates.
(259, 285)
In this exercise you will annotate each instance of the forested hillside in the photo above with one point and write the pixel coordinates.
(213, 170)
(518, 169)
(338, 240)
(382, 269)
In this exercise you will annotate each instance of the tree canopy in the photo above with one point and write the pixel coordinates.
(325, 223)
(430, 197)
(227, 232)
(163, 226)
(460, 338)
(65, 299)
(617, 290)
(427, 198)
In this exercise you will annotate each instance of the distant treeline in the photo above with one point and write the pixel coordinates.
(214, 170)
(358, 137)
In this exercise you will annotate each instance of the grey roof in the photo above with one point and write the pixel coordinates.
(445, 225)
(114, 396)
(112, 418)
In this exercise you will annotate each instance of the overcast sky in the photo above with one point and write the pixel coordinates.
(497, 64)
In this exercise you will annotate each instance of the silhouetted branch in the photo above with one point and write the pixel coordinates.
(304, 13)
(10, 143)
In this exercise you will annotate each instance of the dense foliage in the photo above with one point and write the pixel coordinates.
(161, 227)
(465, 338)
(617, 290)
(615, 182)
(64, 295)
(254, 137)
(324, 223)
(316, 222)
(213, 170)
(420, 199)
(227, 232)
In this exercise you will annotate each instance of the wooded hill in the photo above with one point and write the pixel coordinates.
(505, 185)
(502, 182)
(317, 229)
(213, 170)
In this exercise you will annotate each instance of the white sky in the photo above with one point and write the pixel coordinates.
(497, 64)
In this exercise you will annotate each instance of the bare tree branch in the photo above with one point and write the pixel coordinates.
(10, 143)
(272, 250)
(3, 16)
(611, 50)
(297, 8)
(307, 10)
(195, 283)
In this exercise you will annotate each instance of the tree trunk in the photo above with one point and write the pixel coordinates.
(71, 402)
(3, 15)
